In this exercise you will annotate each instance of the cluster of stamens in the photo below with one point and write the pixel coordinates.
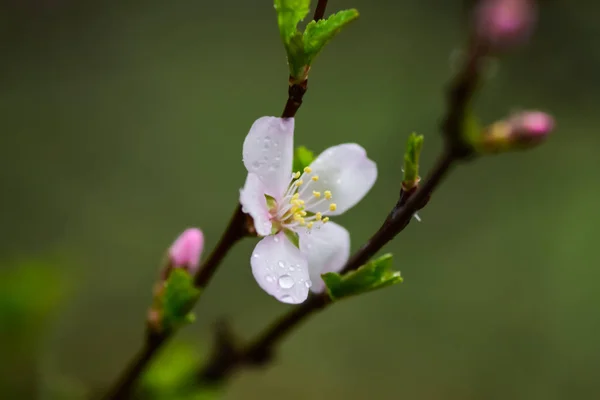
(292, 210)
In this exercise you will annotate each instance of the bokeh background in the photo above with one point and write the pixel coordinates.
(122, 124)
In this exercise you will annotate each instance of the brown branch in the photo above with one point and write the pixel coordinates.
(236, 230)
(320, 10)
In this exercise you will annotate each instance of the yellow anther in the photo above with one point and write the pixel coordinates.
(302, 221)
(315, 178)
(297, 202)
(295, 196)
(302, 213)
(296, 175)
(293, 209)
(310, 225)
(327, 194)
(316, 194)
(325, 219)
(298, 182)
(308, 170)
(332, 207)
(318, 216)
(297, 217)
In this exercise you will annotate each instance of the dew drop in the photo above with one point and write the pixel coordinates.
(281, 264)
(308, 283)
(291, 269)
(267, 142)
(269, 278)
(287, 299)
(275, 239)
(286, 281)
(255, 255)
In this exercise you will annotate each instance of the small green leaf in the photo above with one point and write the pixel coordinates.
(303, 157)
(374, 275)
(411, 159)
(179, 296)
(293, 237)
(319, 33)
(289, 14)
(172, 376)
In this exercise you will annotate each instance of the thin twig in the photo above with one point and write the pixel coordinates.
(235, 231)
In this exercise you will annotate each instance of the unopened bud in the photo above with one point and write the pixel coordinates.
(186, 250)
(521, 131)
(502, 24)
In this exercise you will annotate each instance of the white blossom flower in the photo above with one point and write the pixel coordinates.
(284, 204)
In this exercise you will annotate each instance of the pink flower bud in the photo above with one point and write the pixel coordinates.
(501, 24)
(186, 250)
(531, 127)
(521, 131)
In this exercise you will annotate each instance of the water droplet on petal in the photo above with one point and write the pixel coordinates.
(308, 283)
(286, 281)
(291, 268)
(255, 255)
(281, 264)
(276, 239)
(269, 278)
(287, 299)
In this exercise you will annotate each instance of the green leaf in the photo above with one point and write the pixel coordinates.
(374, 275)
(29, 293)
(178, 297)
(172, 376)
(303, 157)
(293, 237)
(319, 33)
(289, 14)
(411, 160)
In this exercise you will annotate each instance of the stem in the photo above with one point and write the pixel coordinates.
(235, 231)
(320, 10)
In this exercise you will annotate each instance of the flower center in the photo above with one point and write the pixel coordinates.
(292, 212)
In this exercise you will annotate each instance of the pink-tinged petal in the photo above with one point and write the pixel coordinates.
(268, 152)
(327, 247)
(280, 269)
(253, 201)
(347, 172)
(186, 250)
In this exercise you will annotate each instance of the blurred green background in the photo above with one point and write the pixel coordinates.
(122, 124)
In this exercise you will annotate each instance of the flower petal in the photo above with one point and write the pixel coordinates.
(327, 247)
(253, 201)
(280, 269)
(268, 152)
(346, 171)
